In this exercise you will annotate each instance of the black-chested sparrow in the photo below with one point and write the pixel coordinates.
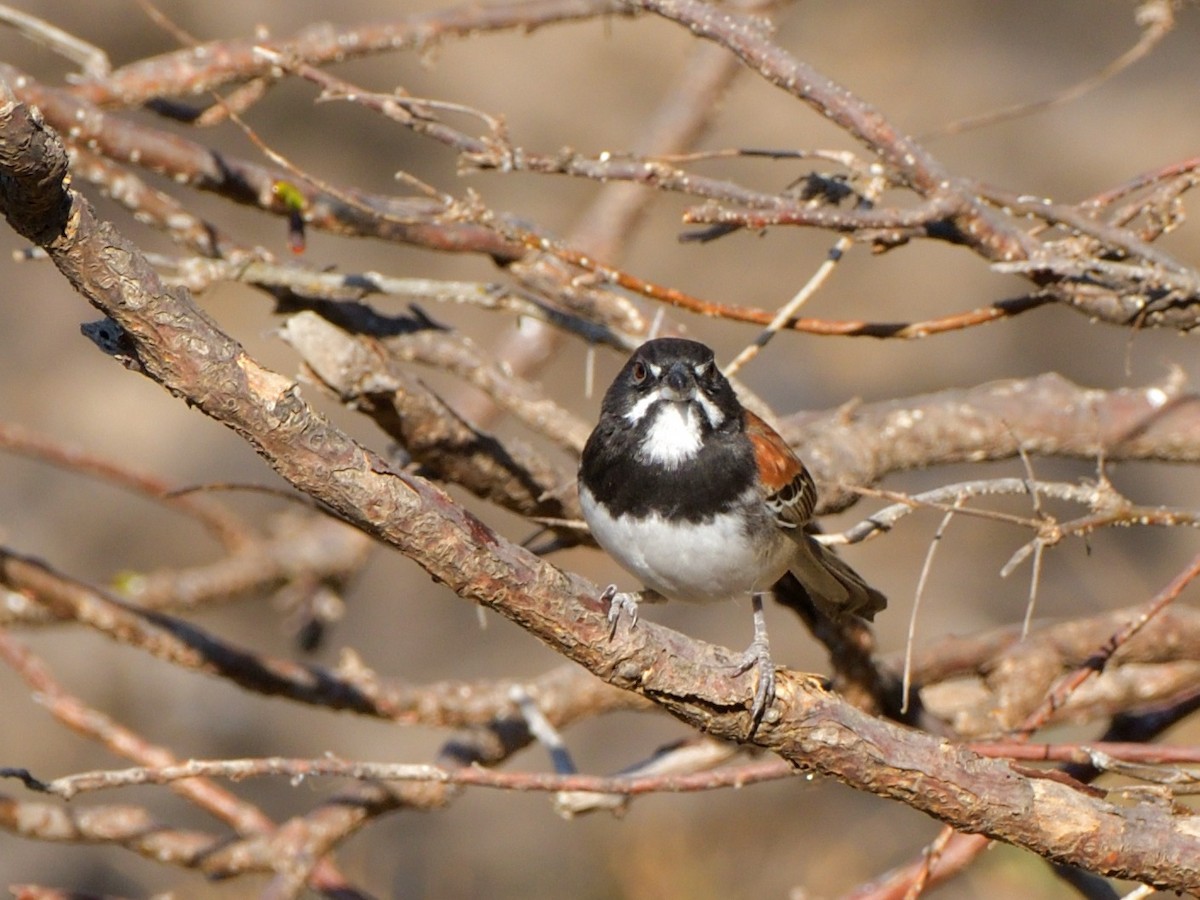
(702, 500)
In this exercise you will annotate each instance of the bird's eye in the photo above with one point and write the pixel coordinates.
(639, 372)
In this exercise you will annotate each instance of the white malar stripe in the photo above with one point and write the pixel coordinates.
(712, 412)
(674, 436)
(638, 410)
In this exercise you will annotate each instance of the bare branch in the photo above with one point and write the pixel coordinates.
(976, 225)
(406, 219)
(211, 66)
(1046, 415)
(222, 523)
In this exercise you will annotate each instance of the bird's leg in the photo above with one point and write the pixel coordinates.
(619, 602)
(758, 654)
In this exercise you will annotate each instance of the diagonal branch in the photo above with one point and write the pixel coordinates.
(975, 223)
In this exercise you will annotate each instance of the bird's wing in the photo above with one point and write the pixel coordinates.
(788, 489)
(791, 495)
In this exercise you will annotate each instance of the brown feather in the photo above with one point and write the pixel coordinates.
(791, 495)
(788, 489)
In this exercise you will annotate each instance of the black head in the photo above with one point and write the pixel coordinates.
(677, 377)
(670, 438)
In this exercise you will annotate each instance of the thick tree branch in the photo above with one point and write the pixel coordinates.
(1046, 414)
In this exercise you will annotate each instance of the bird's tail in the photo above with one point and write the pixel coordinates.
(832, 584)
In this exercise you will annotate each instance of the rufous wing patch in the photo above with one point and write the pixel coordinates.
(788, 488)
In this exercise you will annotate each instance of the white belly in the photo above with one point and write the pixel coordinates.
(715, 561)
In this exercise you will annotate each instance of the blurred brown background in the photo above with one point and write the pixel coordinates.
(591, 86)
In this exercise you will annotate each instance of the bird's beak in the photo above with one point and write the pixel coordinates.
(678, 384)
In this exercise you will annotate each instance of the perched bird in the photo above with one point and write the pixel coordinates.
(702, 500)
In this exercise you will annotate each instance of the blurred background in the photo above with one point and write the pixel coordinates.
(590, 86)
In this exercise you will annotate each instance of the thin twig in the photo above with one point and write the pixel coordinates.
(1156, 18)
(221, 522)
(90, 58)
(787, 312)
(1097, 661)
(926, 567)
(299, 770)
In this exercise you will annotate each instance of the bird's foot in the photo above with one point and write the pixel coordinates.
(758, 655)
(619, 602)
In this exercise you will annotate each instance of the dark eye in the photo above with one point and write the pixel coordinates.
(639, 372)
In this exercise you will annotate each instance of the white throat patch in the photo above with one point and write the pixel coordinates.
(674, 435)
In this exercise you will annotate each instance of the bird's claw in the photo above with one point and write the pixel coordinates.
(758, 656)
(619, 602)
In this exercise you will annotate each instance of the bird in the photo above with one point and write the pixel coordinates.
(703, 501)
